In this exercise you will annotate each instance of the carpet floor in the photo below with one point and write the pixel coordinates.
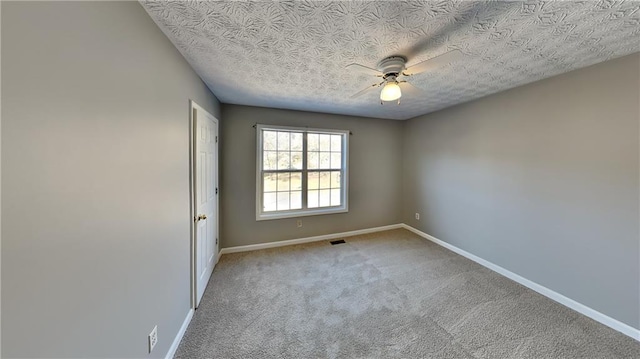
(383, 295)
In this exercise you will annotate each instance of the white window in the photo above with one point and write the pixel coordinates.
(301, 172)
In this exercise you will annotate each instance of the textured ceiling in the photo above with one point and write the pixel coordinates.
(292, 54)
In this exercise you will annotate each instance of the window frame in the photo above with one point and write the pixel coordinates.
(261, 215)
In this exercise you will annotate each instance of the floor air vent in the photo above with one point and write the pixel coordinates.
(339, 241)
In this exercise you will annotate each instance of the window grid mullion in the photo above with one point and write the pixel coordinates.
(304, 170)
(282, 171)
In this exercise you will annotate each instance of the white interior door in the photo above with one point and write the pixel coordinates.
(206, 198)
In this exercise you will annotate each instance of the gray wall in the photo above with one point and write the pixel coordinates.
(541, 180)
(95, 180)
(374, 175)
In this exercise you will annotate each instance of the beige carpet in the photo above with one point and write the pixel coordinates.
(383, 295)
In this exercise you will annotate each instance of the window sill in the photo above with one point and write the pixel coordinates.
(301, 213)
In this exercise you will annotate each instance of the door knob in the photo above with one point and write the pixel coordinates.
(201, 217)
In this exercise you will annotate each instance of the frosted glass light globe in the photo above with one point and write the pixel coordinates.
(390, 92)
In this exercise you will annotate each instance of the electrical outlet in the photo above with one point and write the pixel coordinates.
(417, 216)
(153, 338)
(299, 223)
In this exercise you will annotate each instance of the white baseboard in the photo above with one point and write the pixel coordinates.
(578, 307)
(254, 247)
(178, 338)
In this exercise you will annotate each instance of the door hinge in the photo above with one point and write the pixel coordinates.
(216, 139)
(216, 240)
(216, 190)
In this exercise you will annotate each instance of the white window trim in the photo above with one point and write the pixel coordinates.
(262, 216)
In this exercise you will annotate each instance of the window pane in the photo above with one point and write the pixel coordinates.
(296, 141)
(312, 160)
(325, 142)
(283, 182)
(270, 159)
(335, 197)
(335, 179)
(312, 199)
(288, 169)
(283, 160)
(325, 198)
(269, 183)
(336, 160)
(325, 180)
(283, 201)
(296, 160)
(296, 181)
(283, 141)
(269, 202)
(269, 140)
(324, 160)
(336, 143)
(296, 200)
(312, 142)
(312, 180)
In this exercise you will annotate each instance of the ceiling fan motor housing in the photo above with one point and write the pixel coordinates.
(392, 66)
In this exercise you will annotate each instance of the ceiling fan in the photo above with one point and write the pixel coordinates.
(392, 68)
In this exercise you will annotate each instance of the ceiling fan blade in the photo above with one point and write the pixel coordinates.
(409, 89)
(358, 94)
(364, 69)
(432, 63)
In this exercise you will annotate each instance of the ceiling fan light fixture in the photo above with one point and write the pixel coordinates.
(390, 92)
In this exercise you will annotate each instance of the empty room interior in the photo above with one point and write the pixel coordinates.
(320, 179)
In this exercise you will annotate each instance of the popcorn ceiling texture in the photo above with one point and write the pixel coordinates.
(293, 55)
